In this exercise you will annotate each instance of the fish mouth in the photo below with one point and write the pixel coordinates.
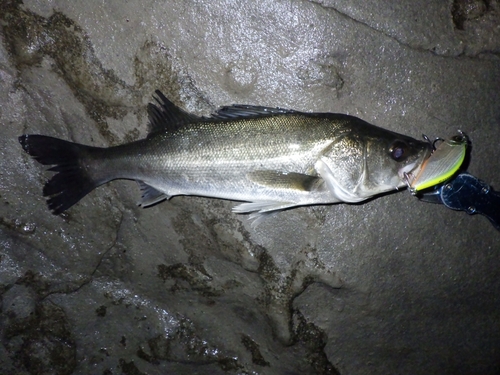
(411, 170)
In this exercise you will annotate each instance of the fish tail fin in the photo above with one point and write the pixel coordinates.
(72, 182)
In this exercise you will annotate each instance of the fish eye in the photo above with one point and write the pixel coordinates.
(398, 150)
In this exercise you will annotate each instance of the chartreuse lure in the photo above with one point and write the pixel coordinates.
(443, 163)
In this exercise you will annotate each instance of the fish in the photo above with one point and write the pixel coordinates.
(268, 159)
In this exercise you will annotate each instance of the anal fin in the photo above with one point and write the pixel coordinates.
(150, 195)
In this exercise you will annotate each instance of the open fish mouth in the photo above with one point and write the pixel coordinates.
(412, 169)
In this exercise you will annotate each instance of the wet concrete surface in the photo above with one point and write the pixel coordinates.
(187, 287)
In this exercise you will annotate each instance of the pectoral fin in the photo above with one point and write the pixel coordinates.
(281, 180)
(275, 180)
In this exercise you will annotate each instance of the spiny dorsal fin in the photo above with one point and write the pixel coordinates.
(248, 111)
(167, 116)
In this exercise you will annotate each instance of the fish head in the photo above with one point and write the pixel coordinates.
(403, 156)
(373, 161)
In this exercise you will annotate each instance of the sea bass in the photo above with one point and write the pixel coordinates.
(270, 158)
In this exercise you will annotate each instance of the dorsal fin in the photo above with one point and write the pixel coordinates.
(248, 111)
(167, 116)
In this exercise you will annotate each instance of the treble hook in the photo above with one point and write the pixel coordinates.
(432, 143)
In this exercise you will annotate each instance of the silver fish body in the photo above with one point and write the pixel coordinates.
(270, 158)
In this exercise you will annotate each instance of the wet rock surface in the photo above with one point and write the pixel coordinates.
(187, 287)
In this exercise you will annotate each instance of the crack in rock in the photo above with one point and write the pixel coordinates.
(460, 12)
